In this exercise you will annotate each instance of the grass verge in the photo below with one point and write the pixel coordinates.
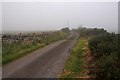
(12, 57)
(73, 65)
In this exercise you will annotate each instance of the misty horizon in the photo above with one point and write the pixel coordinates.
(47, 16)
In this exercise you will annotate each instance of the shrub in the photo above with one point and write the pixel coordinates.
(104, 44)
(106, 48)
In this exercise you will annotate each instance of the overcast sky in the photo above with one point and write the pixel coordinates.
(34, 16)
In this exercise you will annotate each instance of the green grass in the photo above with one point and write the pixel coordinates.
(15, 53)
(72, 66)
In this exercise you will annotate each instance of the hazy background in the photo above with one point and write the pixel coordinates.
(119, 17)
(34, 16)
(0, 17)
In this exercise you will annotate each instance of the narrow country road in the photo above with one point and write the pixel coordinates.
(47, 62)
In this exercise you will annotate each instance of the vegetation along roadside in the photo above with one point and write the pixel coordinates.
(95, 56)
(16, 45)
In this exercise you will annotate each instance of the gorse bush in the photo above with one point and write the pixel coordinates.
(105, 48)
(108, 67)
(104, 44)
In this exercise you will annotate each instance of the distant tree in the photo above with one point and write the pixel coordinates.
(65, 30)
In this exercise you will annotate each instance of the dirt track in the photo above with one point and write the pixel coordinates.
(47, 62)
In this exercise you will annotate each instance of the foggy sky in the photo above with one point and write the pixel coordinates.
(34, 16)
